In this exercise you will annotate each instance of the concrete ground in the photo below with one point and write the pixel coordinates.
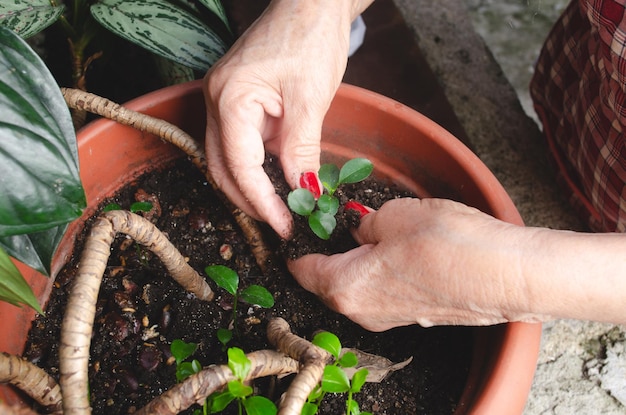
(582, 365)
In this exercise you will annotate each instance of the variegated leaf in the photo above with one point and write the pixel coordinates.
(28, 17)
(162, 28)
(216, 7)
(171, 72)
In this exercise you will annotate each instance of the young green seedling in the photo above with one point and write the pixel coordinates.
(320, 209)
(181, 351)
(335, 379)
(135, 207)
(228, 279)
(239, 364)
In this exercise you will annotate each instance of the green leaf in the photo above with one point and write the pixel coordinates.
(309, 409)
(348, 359)
(196, 366)
(141, 207)
(329, 176)
(238, 389)
(224, 336)
(355, 170)
(172, 73)
(162, 28)
(259, 405)
(218, 401)
(28, 17)
(358, 380)
(335, 380)
(301, 201)
(13, 287)
(328, 204)
(322, 224)
(352, 408)
(316, 394)
(40, 184)
(257, 295)
(224, 277)
(216, 7)
(35, 249)
(112, 206)
(329, 342)
(182, 350)
(184, 370)
(238, 362)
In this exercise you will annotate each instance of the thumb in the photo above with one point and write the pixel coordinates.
(319, 274)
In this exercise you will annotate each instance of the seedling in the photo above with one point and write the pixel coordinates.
(228, 279)
(135, 207)
(320, 209)
(181, 351)
(239, 364)
(335, 379)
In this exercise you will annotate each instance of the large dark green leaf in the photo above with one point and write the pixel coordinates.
(162, 28)
(39, 179)
(28, 17)
(35, 249)
(13, 288)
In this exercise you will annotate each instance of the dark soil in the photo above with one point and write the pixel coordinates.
(141, 311)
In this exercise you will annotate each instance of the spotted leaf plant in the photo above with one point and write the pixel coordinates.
(321, 208)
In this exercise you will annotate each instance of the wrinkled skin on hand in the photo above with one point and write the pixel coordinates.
(429, 261)
(257, 102)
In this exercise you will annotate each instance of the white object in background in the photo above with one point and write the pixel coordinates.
(357, 33)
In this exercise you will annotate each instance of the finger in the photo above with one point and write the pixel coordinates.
(366, 232)
(301, 140)
(244, 155)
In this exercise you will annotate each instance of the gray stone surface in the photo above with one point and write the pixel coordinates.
(582, 366)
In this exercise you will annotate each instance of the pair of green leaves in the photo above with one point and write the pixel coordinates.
(239, 364)
(335, 379)
(171, 29)
(228, 279)
(181, 351)
(321, 212)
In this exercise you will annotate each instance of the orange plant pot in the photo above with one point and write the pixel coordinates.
(405, 147)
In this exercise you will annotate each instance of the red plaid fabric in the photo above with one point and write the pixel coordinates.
(579, 93)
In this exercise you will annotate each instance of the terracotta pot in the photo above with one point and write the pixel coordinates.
(402, 144)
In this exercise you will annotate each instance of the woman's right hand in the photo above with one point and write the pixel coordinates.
(270, 92)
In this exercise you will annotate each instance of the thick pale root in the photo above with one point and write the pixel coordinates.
(32, 380)
(312, 360)
(16, 410)
(196, 388)
(78, 321)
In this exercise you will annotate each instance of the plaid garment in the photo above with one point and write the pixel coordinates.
(579, 93)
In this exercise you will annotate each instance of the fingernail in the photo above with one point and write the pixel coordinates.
(309, 181)
(352, 205)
